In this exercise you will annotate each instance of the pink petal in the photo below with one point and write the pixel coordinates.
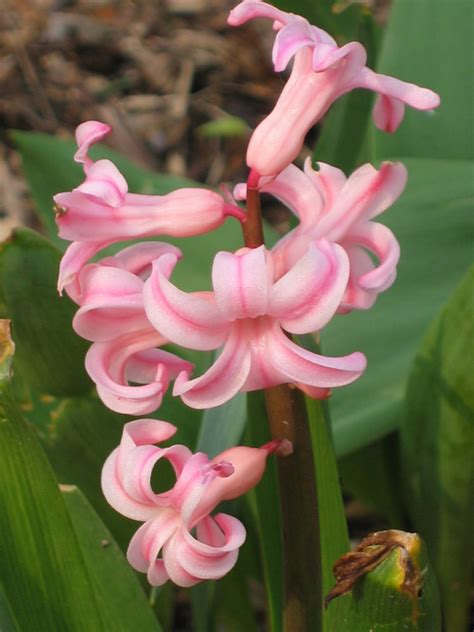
(327, 55)
(147, 543)
(299, 365)
(382, 242)
(388, 113)
(408, 93)
(190, 320)
(186, 557)
(106, 363)
(367, 193)
(105, 182)
(138, 258)
(240, 283)
(87, 134)
(329, 181)
(355, 297)
(289, 40)
(74, 259)
(248, 10)
(223, 380)
(111, 304)
(307, 296)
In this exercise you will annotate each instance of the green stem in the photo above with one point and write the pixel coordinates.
(287, 417)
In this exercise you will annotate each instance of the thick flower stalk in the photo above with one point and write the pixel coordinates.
(321, 73)
(339, 209)
(247, 315)
(101, 211)
(125, 344)
(165, 546)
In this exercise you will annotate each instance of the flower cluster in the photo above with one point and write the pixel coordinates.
(336, 260)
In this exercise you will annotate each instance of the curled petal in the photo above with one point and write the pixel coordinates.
(409, 93)
(299, 365)
(87, 134)
(74, 259)
(105, 182)
(248, 10)
(111, 304)
(138, 258)
(188, 560)
(328, 181)
(241, 283)
(289, 40)
(307, 296)
(146, 544)
(190, 320)
(355, 297)
(108, 364)
(388, 113)
(382, 242)
(367, 193)
(223, 380)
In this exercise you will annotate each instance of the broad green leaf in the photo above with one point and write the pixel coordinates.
(433, 222)
(398, 593)
(112, 577)
(225, 126)
(49, 168)
(334, 539)
(371, 474)
(50, 356)
(438, 449)
(222, 427)
(43, 572)
(430, 42)
(265, 504)
(8, 622)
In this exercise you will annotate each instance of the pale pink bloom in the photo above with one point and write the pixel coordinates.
(112, 315)
(339, 209)
(101, 211)
(321, 73)
(164, 547)
(247, 315)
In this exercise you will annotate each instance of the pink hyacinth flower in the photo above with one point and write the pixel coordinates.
(331, 206)
(164, 547)
(112, 315)
(321, 73)
(101, 211)
(247, 315)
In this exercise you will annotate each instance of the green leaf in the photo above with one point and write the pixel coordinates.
(438, 449)
(265, 505)
(8, 621)
(371, 474)
(395, 592)
(222, 427)
(225, 126)
(430, 42)
(112, 577)
(49, 168)
(49, 355)
(433, 222)
(43, 572)
(334, 538)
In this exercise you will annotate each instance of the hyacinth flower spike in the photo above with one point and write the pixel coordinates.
(247, 315)
(101, 211)
(321, 73)
(164, 547)
(331, 206)
(112, 316)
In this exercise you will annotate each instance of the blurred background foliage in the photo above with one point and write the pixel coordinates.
(183, 92)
